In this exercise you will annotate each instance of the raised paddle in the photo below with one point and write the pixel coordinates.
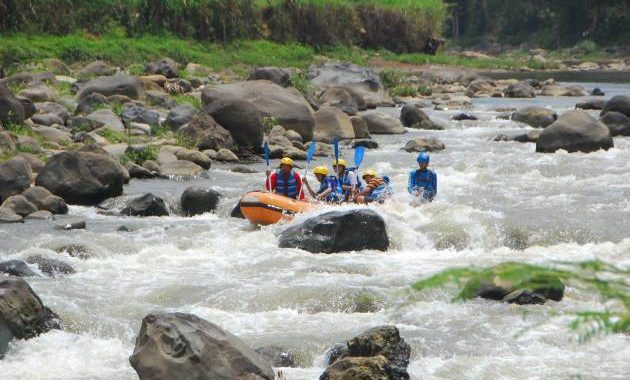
(266, 150)
(309, 158)
(358, 156)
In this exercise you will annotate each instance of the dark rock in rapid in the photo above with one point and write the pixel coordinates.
(338, 231)
(380, 123)
(279, 76)
(520, 90)
(537, 117)
(524, 297)
(76, 250)
(277, 356)
(618, 123)
(496, 288)
(464, 116)
(336, 352)
(22, 314)
(412, 115)
(73, 224)
(368, 144)
(593, 104)
(180, 116)
(164, 66)
(16, 268)
(424, 145)
(82, 178)
(241, 119)
(183, 346)
(575, 131)
(45, 200)
(15, 177)
(197, 200)
(11, 109)
(619, 103)
(139, 172)
(50, 267)
(146, 205)
(19, 205)
(378, 353)
(597, 92)
(114, 85)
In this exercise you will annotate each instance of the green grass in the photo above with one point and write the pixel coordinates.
(113, 137)
(139, 156)
(388, 4)
(188, 99)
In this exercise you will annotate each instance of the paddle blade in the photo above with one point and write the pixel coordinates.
(266, 149)
(311, 151)
(358, 155)
(336, 145)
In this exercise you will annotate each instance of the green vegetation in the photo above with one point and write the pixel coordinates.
(269, 122)
(113, 137)
(611, 283)
(300, 82)
(140, 155)
(188, 99)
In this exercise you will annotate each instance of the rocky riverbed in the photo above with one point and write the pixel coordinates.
(117, 191)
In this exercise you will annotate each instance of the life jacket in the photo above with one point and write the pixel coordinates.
(424, 180)
(287, 187)
(345, 181)
(330, 182)
(380, 187)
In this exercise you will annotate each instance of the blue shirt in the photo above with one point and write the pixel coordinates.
(424, 181)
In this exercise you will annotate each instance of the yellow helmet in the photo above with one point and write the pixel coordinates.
(321, 170)
(340, 162)
(369, 172)
(286, 161)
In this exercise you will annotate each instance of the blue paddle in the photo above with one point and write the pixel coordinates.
(266, 150)
(358, 156)
(336, 145)
(309, 158)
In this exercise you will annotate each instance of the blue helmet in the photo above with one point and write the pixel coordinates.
(423, 158)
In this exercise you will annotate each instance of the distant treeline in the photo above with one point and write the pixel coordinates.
(550, 23)
(396, 25)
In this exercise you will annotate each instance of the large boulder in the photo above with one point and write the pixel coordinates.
(22, 314)
(360, 128)
(277, 75)
(241, 118)
(383, 124)
(575, 131)
(114, 85)
(619, 103)
(618, 123)
(19, 205)
(183, 346)
(520, 90)
(15, 177)
(165, 66)
(592, 104)
(180, 169)
(198, 200)
(331, 122)
(339, 97)
(16, 268)
(557, 90)
(82, 177)
(361, 80)
(286, 104)
(378, 353)
(11, 109)
(338, 231)
(50, 267)
(180, 116)
(194, 156)
(429, 144)
(146, 205)
(537, 117)
(207, 133)
(412, 115)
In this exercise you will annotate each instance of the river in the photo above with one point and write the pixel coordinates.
(568, 207)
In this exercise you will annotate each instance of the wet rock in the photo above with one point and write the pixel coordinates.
(241, 119)
(140, 114)
(226, 156)
(368, 144)
(79, 251)
(113, 85)
(50, 267)
(619, 103)
(575, 131)
(16, 268)
(464, 116)
(194, 156)
(7, 216)
(277, 356)
(76, 224)
(617, 123)
(360, 128)
(424, 145)
(380, 123)
(180, 169)
(331, 122)
(524, 297)
(183, 346)
(22, 314)
(277, 75)
(197, 200)
(594, 104)
(520, 90)
(340, 98)
(146, 205)
(338, 231)
(537, 117)
(597, 92)
(40, 215)
(139, 172)
(412, 115)
(15, 177)
(337, 352)
(368, 368)
(19, 205)
(11, 109)
(164, 66)
(497, 289)
(82, 178)
(97, 69)
(270, 100)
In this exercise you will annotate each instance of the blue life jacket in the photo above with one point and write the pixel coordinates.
(330, 182)
(287, 187)
(424, 181)
(345, 181)
(384, 190)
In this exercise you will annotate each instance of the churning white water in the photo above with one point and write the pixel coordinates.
(569, 207)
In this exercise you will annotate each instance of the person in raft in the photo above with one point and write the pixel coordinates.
(285, 181)
(422, 181)
(328, 188)
(348, 182)
(377, 189)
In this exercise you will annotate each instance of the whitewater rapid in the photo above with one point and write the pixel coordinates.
(492, 197)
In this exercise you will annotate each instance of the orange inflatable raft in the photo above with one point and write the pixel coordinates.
(266, 208)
